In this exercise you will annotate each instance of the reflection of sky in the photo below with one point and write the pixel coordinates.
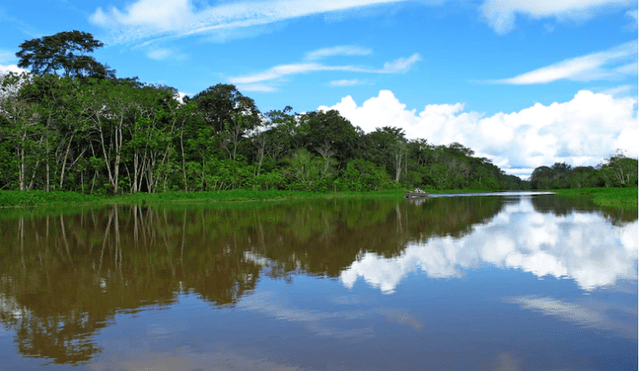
(582, 246)
(591, 314)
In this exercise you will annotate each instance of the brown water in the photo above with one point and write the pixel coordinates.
(491, 283)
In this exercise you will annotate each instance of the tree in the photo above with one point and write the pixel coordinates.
(388, 148)
(63, 51)
(621, 171)
(328, 132)
(220, 104)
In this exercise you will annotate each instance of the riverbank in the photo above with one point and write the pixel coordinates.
(41, 198)
(611, 197)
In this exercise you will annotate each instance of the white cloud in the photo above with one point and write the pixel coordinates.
(288, 69)
(501, 14)
(593, 316)
(582, 131)
(401, 64)
(278, 72)
(347, 82)
(615, 62)
(179, 96)
(165, 53)
(337, 50)
(145, 19)
(321, 323)
(263, 88)
(11, 68)
(159, 53)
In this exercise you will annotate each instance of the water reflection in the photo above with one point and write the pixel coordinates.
(65, 278)
(591, 314)
(583, 246)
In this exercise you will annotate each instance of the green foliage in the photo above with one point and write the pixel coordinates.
(617, 171)
(83, 133)
(50, 54)
(617, 197)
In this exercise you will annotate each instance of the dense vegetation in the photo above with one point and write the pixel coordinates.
(617, 171)
(72, 125)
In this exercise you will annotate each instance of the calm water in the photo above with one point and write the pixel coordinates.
(466, 283)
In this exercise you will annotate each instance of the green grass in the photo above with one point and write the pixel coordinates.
(41, 198)
(614, 197)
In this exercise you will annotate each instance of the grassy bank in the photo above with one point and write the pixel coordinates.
(41, 198)
(613, 197)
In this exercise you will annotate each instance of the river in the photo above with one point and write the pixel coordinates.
(509, 282)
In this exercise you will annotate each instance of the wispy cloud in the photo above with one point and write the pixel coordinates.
(145, 19)
(608, 64)
(165, 53)
(262, 88)
(159, 53)
(337, 50)
(399, 65)
(347, 82)
(288, 69)
(501, 14)
(592, 317)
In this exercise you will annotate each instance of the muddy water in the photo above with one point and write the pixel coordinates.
(519, 282)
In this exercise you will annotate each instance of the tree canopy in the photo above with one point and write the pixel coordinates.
(72, 125)
(64, 51)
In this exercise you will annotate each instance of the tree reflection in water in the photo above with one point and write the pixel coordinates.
(64, 277)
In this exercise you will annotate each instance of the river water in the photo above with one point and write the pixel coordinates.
(515, 282)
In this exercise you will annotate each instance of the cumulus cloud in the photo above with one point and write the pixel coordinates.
(585, 247)
(11, 68)
(609, 64)
(7, 56)
(580, 132)
(146, 19)
(501, 14)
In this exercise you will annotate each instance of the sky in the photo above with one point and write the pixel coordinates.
(524, 83)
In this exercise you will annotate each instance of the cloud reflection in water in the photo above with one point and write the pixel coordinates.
(583, 246)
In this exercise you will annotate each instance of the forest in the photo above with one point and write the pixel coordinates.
(72, 125)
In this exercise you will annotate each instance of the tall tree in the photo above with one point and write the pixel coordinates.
(328, 132)
(64, 51)
(221, 103)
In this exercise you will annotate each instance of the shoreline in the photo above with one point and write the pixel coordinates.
(609, 197)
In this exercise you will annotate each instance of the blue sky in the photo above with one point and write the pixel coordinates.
(522, 82)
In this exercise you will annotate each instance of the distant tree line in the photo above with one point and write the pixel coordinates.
(71, 124)
(617, 171)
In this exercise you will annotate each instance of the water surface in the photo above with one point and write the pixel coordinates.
(515, 282)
